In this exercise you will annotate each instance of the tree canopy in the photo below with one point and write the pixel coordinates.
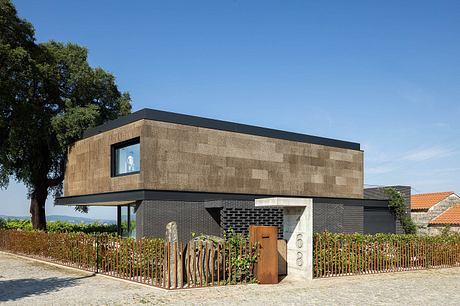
(49, 95)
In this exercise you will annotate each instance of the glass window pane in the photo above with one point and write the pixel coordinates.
(127, 159)
(128, 229)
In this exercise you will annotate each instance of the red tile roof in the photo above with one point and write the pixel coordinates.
(450, 216)
(427, 200)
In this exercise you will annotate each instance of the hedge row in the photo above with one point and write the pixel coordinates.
(448, 237)
(59, 226)
(346, 254)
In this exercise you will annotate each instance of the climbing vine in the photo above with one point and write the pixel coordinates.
(397, 205)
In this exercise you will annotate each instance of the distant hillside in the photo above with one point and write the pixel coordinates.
(70, 219)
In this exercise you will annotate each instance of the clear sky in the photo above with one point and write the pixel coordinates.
(382, 73)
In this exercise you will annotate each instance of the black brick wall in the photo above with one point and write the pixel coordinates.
(213, 217)
(152, 217)
(240, 214)
(139, 220)
(379, 220)
(203, 217)
(337, 218)
(353, 219)
(379, 193)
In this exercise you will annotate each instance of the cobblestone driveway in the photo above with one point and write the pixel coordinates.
(26, 282)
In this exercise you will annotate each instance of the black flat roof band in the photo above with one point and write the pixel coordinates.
(191, 196)
(163, 116)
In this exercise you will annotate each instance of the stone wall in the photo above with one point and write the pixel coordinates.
(88, 164)
(423, 218)
(434, 230)
(176, 157)
(186, 158)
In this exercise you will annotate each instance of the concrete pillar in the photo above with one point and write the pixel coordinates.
(298, 231)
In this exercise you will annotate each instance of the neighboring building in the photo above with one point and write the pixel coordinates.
(432, 212)
(206, 174)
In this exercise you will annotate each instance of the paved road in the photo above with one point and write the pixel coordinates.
(26, 282)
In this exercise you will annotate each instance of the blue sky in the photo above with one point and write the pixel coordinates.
(382, 73)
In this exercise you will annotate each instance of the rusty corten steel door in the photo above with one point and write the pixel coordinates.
(266, 269)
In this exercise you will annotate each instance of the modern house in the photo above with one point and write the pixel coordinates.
(432, 212)
(205, 174)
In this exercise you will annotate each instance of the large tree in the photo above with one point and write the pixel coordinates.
(49, 95)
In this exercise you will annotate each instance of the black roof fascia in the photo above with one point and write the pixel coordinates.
(163, 116)
(120, 196)
(141, 195)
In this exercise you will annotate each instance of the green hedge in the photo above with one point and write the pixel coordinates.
(344, 254)
(59, 226)
(452, 237)
(228, 261)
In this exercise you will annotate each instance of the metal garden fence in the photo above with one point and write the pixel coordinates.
(168, 265)
(341, 254)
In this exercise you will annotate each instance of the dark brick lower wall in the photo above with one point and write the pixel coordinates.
(214, 217)
(152, 217)
(337, 218)
(379, 193)
(210, 218)
(238, 215)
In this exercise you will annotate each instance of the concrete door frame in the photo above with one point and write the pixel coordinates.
(298, 231)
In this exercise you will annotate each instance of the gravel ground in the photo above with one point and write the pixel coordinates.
(27, 282)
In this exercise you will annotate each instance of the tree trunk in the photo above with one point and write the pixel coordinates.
(37, 208)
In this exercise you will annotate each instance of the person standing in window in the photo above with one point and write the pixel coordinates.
(130, 162)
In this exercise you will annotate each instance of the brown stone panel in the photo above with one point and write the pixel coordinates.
(88, 166)
(186, 158)
(199, 159)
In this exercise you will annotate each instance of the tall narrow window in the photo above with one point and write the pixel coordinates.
(126, 157)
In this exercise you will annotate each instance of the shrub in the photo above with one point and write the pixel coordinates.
(358, 253)
(397, 205)
(132, 257)
(15, 224)
(242, 264)
(59, 226)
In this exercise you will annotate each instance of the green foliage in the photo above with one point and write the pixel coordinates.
(398, 207)
(60, 226)
(240, 255)
(381, 237)
(241, 263)
(49, 94)
(14, 224)
(358, 253)
(132, 257)
(147, 260)
(75, 249)
(446, 231)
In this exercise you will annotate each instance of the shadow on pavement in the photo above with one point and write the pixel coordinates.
(15, 289)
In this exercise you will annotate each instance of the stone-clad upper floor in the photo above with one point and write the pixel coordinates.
(154, 150)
